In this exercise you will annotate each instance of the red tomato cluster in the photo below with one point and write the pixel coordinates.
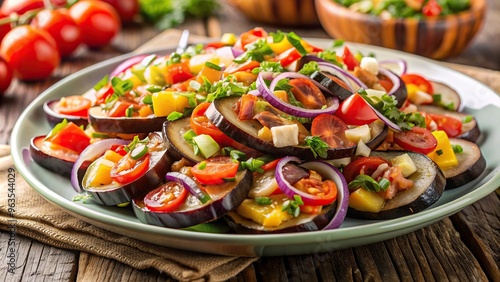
(38, 37)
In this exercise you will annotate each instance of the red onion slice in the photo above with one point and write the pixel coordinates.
(402, 64)
(344, 75)
(125, 65)
(189, 184)
(394, 79)
(327, 171)
(91, 153)
(268, 94)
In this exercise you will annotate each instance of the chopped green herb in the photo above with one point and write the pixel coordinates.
(309, 68)
(57, 128)
(368, 183)
(229, 179)
(174, 58)
(293, 206)
(439, 152)
(267, 66)
(317, 146)
(213, 66)
(467, 119)
(120, 86)
(174, 116)
(256, 51)
(457, 148)
(277, 36)
(154, 88)
(129, 112)
(252, 164)
(82, 198)
(263, 201)
(202, 165)
(101, 83)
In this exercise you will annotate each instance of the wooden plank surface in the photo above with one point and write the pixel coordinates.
(465, 246)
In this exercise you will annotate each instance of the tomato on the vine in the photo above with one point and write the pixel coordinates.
(127, 9)
(98, 21)
(32, 53)
(4, 28)
(62, 27)
(20, 6)
(5, 76)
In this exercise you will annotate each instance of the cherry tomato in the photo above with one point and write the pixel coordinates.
(32, 53)
(74, 105)
(418, 80)
(418, 139)
(356, 111)
(5, 76)
(450, 125)
(201, 125)
(349, 60)
(331, 130)
(324, 192)
(72, 137)
(62, 27)
(363, 165)
(127, 169)
(20, 6)
(249, 37)
(432, 9)
(127, 9)
(307, 93)
(98, 21)
(166, 198)
(215, 170)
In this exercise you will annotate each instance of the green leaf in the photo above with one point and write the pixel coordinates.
(101, 83)
(263, 201)
(368, 183)
(174, 116)
(309, 68)
(57, 128)
(317, 146)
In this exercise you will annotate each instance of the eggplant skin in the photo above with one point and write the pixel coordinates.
(303, 223)
(54, 164)
(161, 162)
(130, 125)
(429, 184)
(54, 117)
(471, 165)
(212, 210)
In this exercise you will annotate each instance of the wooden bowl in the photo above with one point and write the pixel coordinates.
(279, 12)
(435, 38)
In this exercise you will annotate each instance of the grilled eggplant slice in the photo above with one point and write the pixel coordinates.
(471, 164)
(222, 115)
(61, 164)
(224, 198)
(53, 117)
(429, 184)
(103, 123)
(114, 193)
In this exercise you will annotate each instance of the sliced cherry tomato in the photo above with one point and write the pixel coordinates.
(177, 73)
(103, 93)
(249, 37)
(166, 198)
(120, 149)
(246, 66)
(127, 169)
(98, 21)
(62, 27)
(72, 137)
(418, 139)
(356, 111)
(307, 93)
(432, 8)
(288, 57)
(331, 130)
(418, 80)
(119, 109)
(201, 125)
(74, 105)
(363, 165)
(215, 170)
(349, 59)
(324, 192)
(450, 125)
(25, 47)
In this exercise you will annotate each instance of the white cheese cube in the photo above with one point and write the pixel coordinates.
(369, 64)
(359, 133)
(285, 135)
(406, 164)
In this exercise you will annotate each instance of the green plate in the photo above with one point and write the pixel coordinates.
(478, 99)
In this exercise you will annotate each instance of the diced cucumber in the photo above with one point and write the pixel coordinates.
(207, 145)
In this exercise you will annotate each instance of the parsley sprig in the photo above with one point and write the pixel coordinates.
(368, 183)
(293, 206)
(317, 146)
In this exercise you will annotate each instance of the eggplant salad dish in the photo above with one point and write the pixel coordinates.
(262, 132)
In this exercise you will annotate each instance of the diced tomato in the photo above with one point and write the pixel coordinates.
(128, 169)
(120, 149)
(363, 165)
(74, 105)
(418, 80)
(119, 109)
(246, 66)
(178, 73)
(166, 198)
(288, 57)
(349, 59)
(307, 93)
(331, 130)
(72, 137)
(249, 37)
(418, 139)
(202, 125)
(104, 93)
(432, 8)
(215, 170)
(356, 111)
(270, 165)
(450, 125)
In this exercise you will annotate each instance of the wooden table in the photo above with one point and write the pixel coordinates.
(462, 247)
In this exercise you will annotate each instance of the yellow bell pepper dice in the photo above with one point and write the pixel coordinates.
(367, 201)
(228, 38)
(280, 47)
(112, 156)
(268, 215)
(197, 62)
(443, 155)
(166, 102)
(101, 170)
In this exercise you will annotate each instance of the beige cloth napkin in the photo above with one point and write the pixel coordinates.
(38, 219)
